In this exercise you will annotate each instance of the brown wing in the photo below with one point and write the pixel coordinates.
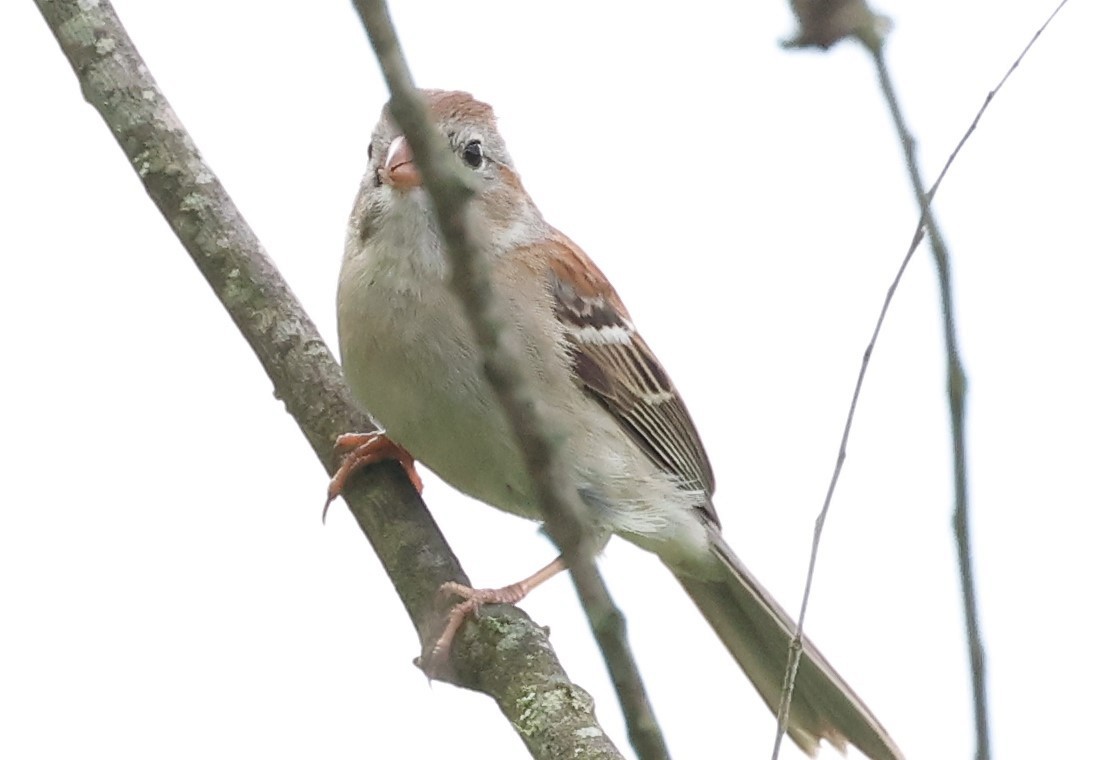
(617, 368)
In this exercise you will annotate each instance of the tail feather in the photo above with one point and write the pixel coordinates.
(757, 632)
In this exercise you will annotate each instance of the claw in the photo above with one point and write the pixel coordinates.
(361, 450)
(473, 599)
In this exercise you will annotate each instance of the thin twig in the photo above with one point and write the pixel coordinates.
(956, 392)
(561, 506)
(956, 398)
(506, 656)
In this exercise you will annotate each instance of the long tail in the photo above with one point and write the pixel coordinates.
(757, 631)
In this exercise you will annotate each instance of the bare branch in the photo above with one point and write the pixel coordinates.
(538, 437)
(504, 654)
(823, 23)
(956, 395)
(956, 386)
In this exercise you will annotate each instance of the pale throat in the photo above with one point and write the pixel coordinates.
(407, 247)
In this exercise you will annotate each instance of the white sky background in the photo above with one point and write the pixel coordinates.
(165, 586)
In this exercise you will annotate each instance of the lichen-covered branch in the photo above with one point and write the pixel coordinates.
(503, 654)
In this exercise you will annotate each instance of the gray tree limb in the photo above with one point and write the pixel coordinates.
(502, 653)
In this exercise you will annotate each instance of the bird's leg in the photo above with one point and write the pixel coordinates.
(362, 449)
(474, 598)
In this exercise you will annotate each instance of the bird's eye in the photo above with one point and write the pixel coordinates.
(370, 151)
(473, 154)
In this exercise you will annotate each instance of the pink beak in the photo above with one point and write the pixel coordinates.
(400, 170)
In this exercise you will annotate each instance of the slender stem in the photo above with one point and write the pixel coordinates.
(956, 398)
(537, 435)
(956, 392)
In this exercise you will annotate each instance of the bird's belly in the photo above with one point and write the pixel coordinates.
(412, 362)
(428, 390)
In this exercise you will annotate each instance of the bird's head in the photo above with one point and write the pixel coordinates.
(393, 199)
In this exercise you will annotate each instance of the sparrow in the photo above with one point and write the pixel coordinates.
(632, 450)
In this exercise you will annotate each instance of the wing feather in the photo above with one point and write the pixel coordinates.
(616, 367)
